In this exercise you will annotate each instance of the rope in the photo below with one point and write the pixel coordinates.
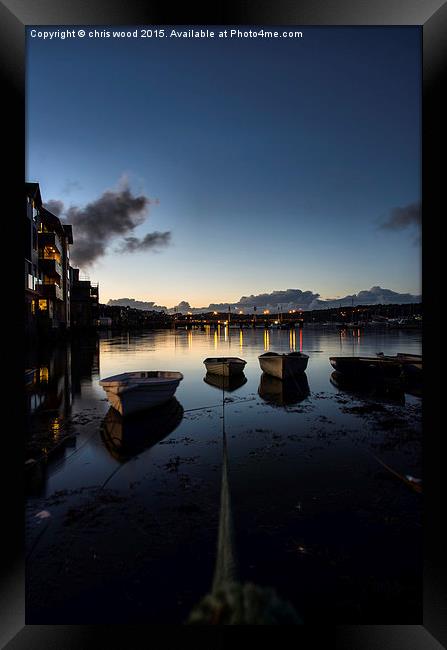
(225, 569)
(417, 487)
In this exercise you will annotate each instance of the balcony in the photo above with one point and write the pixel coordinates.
(51, 267)
(52, 291)
(49, 239)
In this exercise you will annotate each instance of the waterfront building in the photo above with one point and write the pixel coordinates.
(56, 298)
(84, 301)
(31, 251)
(54, 240)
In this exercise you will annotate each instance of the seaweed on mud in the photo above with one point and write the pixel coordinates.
(365, 409)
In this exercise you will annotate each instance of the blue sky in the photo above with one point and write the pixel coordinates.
(274, 161)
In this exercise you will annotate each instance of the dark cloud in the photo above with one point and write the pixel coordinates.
(295, 297)
(305, 300)
(379, 296)
(152, 240)
(283, 300)
(136, 304)
(114, 214)
(95, 225)
(183, 307)
(55, 207)
(403, 217)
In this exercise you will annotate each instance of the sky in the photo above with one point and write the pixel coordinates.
(233, 167)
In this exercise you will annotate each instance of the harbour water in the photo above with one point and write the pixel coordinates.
(123, 515)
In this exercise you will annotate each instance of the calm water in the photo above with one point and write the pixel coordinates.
(123, 516)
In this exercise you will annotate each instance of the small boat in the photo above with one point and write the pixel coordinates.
(225, 383)
(283, 365)
(226, 366)
(411, 364)
(366, 367)
(135, 391)
(125, 437)
(285, 392)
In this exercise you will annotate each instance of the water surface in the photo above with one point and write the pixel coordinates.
(123, 516)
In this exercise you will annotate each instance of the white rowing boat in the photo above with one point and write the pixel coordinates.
(135, 391)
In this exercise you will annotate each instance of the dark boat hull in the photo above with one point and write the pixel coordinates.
(366, 367)
(283, 366)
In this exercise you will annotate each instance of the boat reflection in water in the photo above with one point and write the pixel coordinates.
(128, 436)
(222, 382)
(283, 392)
(386, 390)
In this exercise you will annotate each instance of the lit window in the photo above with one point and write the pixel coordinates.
(55, 429)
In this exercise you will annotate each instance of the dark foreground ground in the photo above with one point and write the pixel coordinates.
(321, 510)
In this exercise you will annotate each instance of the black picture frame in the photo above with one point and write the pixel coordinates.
(15, 15)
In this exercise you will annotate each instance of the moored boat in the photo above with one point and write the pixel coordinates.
(135, 391)
(226, 366)
(411, 365)
(360, 367)
(283, 365)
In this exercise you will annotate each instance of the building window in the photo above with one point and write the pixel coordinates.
(50, 253)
